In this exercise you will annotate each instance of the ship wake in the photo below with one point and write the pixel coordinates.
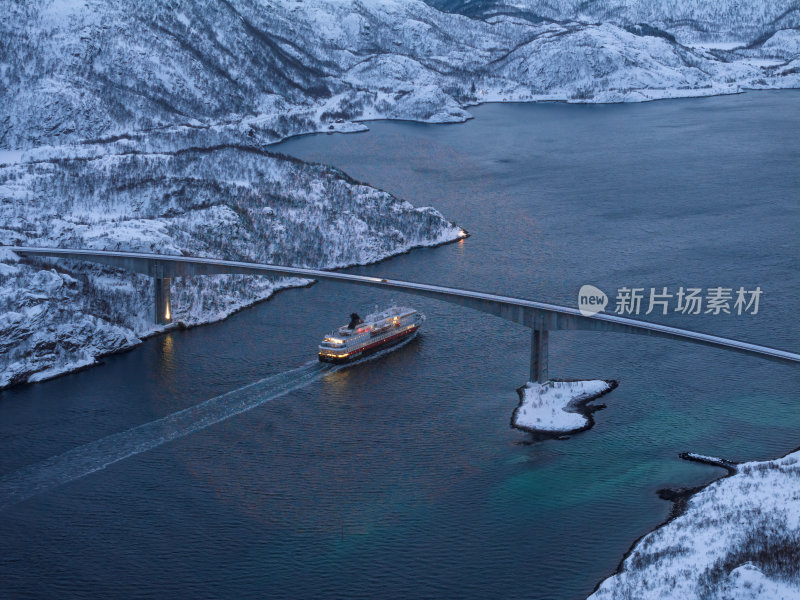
(94, 456)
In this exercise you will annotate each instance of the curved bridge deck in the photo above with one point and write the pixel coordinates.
(541, 317)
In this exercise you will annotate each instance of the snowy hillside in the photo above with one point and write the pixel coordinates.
(687, 20)
(229, 202)
(739, 538)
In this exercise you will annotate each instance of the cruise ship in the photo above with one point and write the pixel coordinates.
(362, 337)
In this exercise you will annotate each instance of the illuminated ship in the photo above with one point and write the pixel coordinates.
(362, 337)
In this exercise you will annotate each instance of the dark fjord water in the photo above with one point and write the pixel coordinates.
(400, 477)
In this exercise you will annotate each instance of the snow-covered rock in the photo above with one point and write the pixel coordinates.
(738, 539)
(555, 406)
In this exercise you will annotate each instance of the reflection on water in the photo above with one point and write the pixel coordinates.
(167, 354)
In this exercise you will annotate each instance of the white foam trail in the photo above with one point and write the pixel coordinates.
(91, 457)
(94, 456)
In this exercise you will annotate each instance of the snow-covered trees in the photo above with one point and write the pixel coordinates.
(231, 203)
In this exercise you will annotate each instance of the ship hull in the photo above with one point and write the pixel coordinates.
(369, 349)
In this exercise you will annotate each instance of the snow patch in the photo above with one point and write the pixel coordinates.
(551, 406)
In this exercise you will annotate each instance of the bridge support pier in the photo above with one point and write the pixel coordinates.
(163, 309)
(539, 344)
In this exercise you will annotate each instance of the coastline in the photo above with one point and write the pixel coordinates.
(357, 126)
(679, 497)
(724, 573)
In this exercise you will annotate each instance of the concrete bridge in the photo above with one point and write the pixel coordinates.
(540, 317)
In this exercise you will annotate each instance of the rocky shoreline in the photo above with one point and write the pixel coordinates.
(734, 537)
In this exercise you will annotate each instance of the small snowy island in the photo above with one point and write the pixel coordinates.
(738, 538)
(558, 406)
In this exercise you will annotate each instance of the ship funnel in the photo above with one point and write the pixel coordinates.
(355, 320)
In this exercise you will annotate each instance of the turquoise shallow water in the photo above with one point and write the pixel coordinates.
(401, 477)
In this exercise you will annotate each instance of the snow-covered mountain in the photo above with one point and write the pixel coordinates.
(98, 69)
(143, 125)
(687, 20)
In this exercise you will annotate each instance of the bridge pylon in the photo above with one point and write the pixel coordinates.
(539, 350)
